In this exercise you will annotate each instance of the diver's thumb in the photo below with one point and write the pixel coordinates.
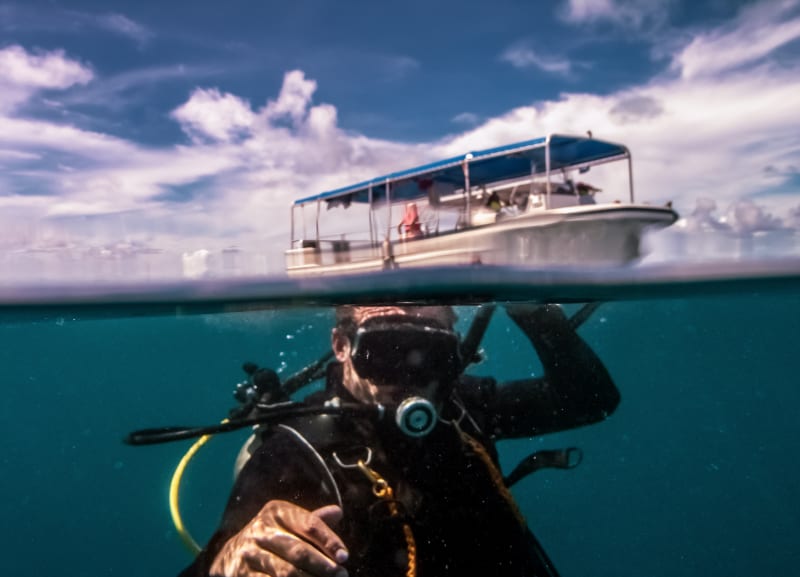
(330, 514)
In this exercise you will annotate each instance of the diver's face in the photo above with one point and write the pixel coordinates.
(396, 352)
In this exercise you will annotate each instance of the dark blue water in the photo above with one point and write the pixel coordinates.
(695, 474)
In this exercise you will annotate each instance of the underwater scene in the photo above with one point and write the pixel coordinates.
(694, 473)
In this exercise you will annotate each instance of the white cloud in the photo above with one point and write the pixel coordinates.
(753, 35)
(41, 70)
(24, 73)
(211, 114)
(293, 99)
(34, 135)
(322, 120)
(521, 56)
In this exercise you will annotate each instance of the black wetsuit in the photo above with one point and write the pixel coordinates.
(447, 495)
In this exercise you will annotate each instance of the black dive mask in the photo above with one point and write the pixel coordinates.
(406, 352)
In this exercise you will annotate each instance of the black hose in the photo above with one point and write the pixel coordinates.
(583, 314)
(169, 434)
(471, 342)
(307, 375)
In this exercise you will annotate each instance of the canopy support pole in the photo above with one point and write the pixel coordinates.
(319, 203)
(465, 168)
(630, 174)
(291, 227)
(372, 239)
(389, 208)
(547, 167)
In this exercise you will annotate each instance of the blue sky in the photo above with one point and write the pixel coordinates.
(189, 125)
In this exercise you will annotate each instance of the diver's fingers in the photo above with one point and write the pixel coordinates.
(274, 567)
(330, 514)
(285, 555)
(244, 557)
(310, 526)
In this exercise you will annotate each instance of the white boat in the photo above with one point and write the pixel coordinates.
(520, 204)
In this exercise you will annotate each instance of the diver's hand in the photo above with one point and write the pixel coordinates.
(285, 540)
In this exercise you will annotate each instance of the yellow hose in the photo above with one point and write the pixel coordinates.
(174, 491)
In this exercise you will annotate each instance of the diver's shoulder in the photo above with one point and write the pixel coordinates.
(476, 391)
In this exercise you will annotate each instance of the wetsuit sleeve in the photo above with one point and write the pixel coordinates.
(279, 469)
(576, 388)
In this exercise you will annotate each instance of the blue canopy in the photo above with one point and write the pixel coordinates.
(485, 166)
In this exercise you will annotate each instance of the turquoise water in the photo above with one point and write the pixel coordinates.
(695, 474)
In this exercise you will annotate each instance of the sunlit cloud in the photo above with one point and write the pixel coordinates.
(210, 114)
(293, 99)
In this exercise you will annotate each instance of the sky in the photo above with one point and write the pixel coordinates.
(190, 126)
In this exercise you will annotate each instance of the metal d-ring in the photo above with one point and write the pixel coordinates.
(357, 465)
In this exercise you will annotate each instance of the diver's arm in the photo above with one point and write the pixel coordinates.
(575, 390)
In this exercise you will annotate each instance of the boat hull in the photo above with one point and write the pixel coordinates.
(597, 235)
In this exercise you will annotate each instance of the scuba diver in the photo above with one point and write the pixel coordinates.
(413, 487)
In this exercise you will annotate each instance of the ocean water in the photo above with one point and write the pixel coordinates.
(696, 473)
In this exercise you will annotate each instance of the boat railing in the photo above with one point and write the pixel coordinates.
(329, 251)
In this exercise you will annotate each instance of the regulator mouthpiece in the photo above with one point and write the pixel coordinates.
(416, 416)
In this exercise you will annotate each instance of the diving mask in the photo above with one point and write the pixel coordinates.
(405, 351)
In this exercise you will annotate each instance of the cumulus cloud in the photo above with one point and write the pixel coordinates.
(742, 217)
(211, 114)
(703, 217)
(293, 99)
(748, 217)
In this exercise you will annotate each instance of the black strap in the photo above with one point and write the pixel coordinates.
(547, 459)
